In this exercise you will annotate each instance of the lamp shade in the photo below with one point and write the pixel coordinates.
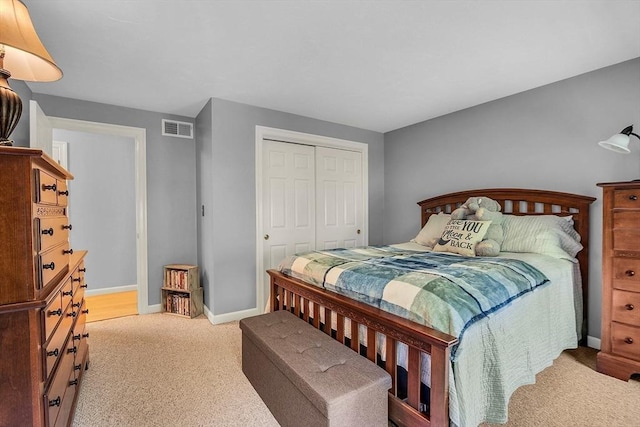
(25, 56)
(618, 143)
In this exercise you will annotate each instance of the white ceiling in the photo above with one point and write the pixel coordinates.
(378, 65)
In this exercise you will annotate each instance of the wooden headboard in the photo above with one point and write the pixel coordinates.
(518, 201)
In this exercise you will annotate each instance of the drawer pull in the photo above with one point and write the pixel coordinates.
(67, 227)
(49, 232)
(630, 273)
(77, 367)
(55, 402)
(84, 286)
(51, 266)
(72, 314)
(76, 304)
(51, 187)
(82, 270)
(629, 307)
(72, 350)
(63, 193)
(53, 353)
(85, 335)
(74, 382)
(57, 312)
(76, 279)
(633, 197)
(628, 340)
(67, 293)
(76, 337)
(86, 311)
(69, 251)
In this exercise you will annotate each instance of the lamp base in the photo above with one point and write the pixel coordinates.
(10, 108)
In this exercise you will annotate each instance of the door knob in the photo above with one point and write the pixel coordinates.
(358, 231)
(266, 237)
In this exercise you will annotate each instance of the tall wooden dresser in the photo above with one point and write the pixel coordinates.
(620, 346)
(43, 342)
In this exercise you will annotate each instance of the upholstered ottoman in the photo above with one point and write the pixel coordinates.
(308, 379)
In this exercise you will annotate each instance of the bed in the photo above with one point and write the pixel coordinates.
(432, 371)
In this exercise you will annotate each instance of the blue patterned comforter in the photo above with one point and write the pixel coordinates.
(443, 291)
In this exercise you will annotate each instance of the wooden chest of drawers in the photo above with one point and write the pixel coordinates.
(620, 344)
(42, 312)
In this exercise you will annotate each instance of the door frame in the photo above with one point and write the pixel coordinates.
(293, 137)
(139, 135)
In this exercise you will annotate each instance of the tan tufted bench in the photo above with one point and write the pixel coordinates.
(308, 379)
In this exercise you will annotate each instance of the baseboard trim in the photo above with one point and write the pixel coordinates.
(593, 342)
(156, 308)
(112, 290)
(230, 317)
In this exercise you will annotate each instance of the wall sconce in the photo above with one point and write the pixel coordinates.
(23, 57)
(620, 141)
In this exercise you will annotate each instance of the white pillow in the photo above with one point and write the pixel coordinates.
(461, 236)
(432, 229)
(543, 234)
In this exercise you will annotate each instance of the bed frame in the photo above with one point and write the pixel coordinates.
(291, 294)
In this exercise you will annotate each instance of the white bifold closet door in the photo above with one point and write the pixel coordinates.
(311, 199)
(339, 211)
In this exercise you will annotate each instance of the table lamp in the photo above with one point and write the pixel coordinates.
(22, 57)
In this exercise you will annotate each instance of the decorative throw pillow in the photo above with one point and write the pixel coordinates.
(433, 229)
(461, 236)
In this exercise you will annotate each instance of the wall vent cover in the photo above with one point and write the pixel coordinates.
(177, 129)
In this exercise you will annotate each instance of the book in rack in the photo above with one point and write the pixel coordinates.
(181, 291)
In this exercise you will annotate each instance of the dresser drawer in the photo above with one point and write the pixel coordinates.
(55, 394)
(625, 340)
(626, 239)
(63, 192)
(79, 285)
(626, 274)
(626, 219)
(67, 402)
(46, 188)
(52, 314)
(54, 348)
(51, 232)
(80, 334)
(626, 307)
(627, 199)
(53, 262)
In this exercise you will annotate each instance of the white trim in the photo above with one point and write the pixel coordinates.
(155, 308)
(230, 317)
(111, 290)
(139, 136)
(63, 151)
(593, 342)
(263, 132)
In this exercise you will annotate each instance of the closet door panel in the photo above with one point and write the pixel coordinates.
(288, 201)
(340, 213)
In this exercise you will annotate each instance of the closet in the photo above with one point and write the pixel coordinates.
(312, 198)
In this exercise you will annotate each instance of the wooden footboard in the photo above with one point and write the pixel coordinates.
(302, 299)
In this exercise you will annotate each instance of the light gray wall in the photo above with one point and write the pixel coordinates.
(103, 205)
(204, 168)
(230, 270)
(544, 138)
(171, 180)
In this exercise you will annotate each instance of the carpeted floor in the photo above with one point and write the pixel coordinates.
(162, 370)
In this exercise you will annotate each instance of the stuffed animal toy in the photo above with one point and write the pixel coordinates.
(484, 209)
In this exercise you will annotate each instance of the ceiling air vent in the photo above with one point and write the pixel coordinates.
(177, 129)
